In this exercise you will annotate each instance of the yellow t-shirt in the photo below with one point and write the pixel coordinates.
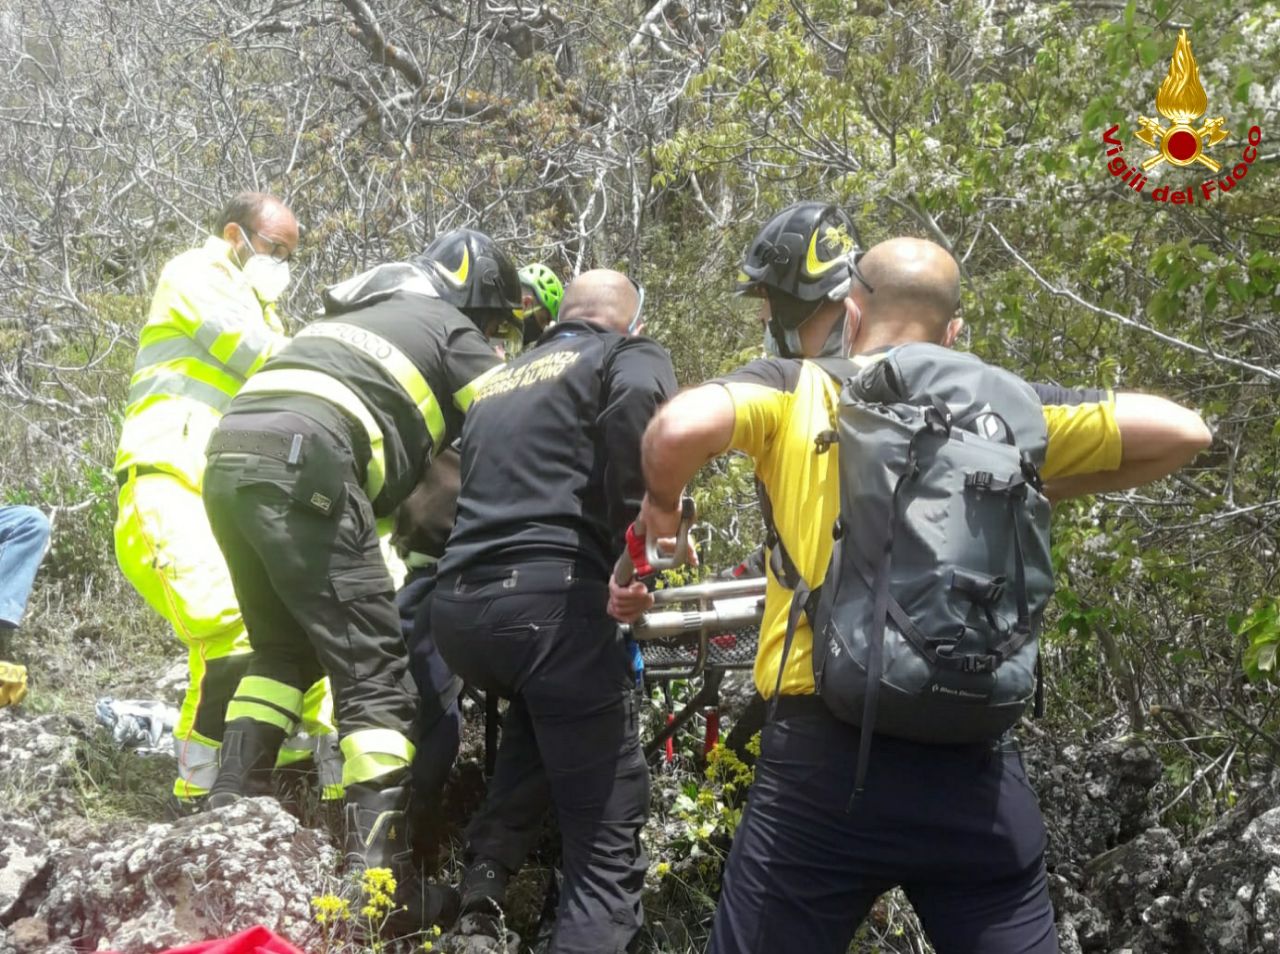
(781, 405)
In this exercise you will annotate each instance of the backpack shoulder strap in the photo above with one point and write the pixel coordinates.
(842, 369)
(803, 598)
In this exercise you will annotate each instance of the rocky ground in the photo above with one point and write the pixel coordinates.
(1122, 885)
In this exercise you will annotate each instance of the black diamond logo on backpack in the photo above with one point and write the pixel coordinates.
(988, 424)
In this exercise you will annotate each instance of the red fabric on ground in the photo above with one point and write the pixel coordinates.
(254, 940)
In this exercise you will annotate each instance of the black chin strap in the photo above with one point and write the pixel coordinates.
(779, 337)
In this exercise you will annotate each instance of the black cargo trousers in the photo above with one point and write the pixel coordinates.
(301, 542)
(543, 640)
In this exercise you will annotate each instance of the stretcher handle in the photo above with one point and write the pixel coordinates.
(624, 570)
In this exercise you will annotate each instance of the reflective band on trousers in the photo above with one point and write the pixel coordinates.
(266, 700)
(395, 362)
(318, 384)
(372, 753)
(197, 768)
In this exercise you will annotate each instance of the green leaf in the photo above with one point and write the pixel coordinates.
(1244, 79)
(1266, 661)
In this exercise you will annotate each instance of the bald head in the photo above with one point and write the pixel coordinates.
(258, 222)
(603, 297)
(916, 290)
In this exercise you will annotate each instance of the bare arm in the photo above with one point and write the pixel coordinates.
(1157, 437)
(695, 426)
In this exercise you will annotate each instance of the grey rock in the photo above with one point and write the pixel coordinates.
(1081, 926)
(31, 936)
(1130, 880)
(24, 863)
(1232, 899)
(204, 876)
(172, 685)
(39, 756)
(1093, 798)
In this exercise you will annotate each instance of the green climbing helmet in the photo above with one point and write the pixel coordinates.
(546, 287)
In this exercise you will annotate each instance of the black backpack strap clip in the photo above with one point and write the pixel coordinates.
(938, 416)
(974, 663)
(1031, 473)
(985, 482)
(983, 590)
(979, 480)
(971, 663)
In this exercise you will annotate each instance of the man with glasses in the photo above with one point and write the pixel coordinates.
(212, 324)
(550, 481)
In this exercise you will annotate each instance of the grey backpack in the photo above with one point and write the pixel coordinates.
(925, 626)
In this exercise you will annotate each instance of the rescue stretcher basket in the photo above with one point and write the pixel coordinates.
(691, 629)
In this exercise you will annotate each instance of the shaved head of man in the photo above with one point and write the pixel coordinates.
(603, 297)
(908, 289)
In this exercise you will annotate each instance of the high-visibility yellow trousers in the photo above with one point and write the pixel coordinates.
(168, 553)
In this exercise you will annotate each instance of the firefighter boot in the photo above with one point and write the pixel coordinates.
(248, 754)
(377, 837)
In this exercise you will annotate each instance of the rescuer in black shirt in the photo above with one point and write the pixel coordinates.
(327, 438)
(550, 480)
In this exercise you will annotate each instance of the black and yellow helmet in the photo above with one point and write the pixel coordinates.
(803, 251)
(472, 273)
(801, 257)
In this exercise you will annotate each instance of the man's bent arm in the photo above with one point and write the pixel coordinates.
(1157, 438)
(688, 431)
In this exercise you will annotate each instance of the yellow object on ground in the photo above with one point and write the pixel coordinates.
(13, 683)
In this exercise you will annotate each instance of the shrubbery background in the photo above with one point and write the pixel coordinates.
(655, 137)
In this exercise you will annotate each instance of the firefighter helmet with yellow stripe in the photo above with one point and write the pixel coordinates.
(471, 272)
(803, 251)
(802, 257)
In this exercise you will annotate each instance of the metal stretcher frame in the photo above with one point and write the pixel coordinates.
(716, 631)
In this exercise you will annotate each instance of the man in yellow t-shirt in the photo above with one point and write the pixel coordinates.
(957, 826)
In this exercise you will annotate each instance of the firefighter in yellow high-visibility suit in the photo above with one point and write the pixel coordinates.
(213, 322)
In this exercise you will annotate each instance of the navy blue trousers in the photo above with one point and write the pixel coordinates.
(438, 732)
(544, 641)
(957, 827)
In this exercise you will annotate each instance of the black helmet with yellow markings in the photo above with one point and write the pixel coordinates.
(803, 251)
(474, 275)
(802, 257)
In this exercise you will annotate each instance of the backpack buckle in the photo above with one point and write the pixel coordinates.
(978, 665)
(979, 480)
(1031, 473)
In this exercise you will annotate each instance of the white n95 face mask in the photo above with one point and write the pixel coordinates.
(266, 276)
